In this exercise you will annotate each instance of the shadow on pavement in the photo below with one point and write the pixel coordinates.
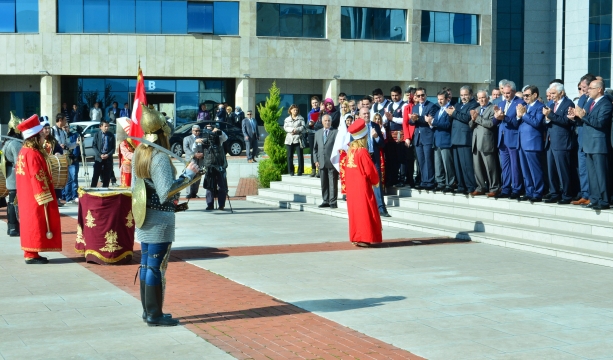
(335, 305)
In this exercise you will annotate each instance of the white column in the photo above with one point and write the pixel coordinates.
(50, 97)
(331, 88)
(245, 94)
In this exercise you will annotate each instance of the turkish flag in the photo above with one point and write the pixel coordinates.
(137, 111)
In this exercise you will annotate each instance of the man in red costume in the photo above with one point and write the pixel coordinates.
(361, 175)
(37, 198)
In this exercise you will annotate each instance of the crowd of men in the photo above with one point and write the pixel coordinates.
(510, 144)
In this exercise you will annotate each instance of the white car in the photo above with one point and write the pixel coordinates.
(87, 129)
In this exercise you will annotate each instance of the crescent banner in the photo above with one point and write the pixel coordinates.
(139, 97)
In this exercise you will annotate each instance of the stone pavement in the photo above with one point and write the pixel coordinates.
(271, 283)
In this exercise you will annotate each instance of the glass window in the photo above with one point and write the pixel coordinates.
(187, 85)
(509, 39)
(199, 18)
(174, 17)
(27, 16)
(92, 84)
(290, 20)
(70, 16)
(122, 16)
(599, 45)
(96, 15)
(267, 19)
(373, 23)
(227, 14)
(449, 28)
(187, 107)
(148, 16)
(314, 21)
(7, 16)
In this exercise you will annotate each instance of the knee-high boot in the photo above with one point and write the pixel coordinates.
(153, 306)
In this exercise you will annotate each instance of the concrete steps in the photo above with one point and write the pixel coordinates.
(565, 231)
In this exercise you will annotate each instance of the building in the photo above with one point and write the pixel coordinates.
(538, 41)
(193, 52)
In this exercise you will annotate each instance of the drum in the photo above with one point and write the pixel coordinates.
(58, 167)
(3, 190)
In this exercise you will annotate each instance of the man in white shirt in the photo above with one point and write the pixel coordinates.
(95, 114)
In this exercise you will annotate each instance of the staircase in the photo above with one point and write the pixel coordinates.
(565, 231)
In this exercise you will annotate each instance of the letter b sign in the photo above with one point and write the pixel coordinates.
(151, 85)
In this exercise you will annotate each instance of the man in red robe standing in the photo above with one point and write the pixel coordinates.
(361, 175)
(37, 198)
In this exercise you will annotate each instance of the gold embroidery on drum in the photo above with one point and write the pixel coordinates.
(111, 242)
(130, 219)
(20, 166)
(90, 219)
(80, 238)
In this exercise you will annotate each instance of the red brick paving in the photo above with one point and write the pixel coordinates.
(247, 186)
(239, 320)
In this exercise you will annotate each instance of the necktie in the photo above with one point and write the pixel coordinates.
(440, 113)
(325, 135)
(421, 109)
(253, 124)
(482, 110)
(370, 150)
(592, 106)
(555, 107)
(506, 107)
(106, 144)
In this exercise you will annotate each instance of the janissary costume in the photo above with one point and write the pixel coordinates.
(10, 152)
(361, 175)
(126, 152)
(37, 198)
(156, 232)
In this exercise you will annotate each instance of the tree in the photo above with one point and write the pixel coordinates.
(271, 169)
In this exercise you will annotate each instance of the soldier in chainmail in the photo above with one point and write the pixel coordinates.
(10, 151)
(157, 232)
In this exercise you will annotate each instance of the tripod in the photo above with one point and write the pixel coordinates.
(214, 189)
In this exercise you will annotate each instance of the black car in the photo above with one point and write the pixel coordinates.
(233, 146)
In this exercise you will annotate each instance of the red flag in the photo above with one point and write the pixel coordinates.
(139, 97)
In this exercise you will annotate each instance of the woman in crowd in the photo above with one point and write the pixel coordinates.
(361, 174)
(203, 113)
(328, 108)
(345, 109)
(339, 151)
(377, 119)
(157, 232)
(294, 126)
(230, 116)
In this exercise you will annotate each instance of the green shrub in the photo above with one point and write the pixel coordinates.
(276, 164)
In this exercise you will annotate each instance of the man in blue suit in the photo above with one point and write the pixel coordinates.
(531, 126)
(508, 144)
(443, 156)
(461, 141)
(584, 185)
(375, 143)
(423, 138)
(597, 128)
(558, 144)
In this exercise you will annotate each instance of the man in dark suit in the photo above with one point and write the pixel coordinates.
(558, 144)
(508, 144)
(423, 138)
(375, 143)
(461, 141)
(114, 112)
(125, 112)
(322, 151)
(584, 184)
(484, 126)
(103, 145)
(596, 128)
(531, 127)
(252, 135)
(444, 171)
(192, 155)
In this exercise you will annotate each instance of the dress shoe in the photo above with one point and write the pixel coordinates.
(209, 208)
(39, 260)
(514, 196)
(291, 174)
(564, 202)
(419, 187)
(220, 208)
(577, 198)
(13, 233)
(333, 206)
(536, 199)
(399, 185)
(428, 188)
(385, 214)
(477, 193)
(491, 194)
(249, 161)
(524, 198)
(313, 173)
(323, 205)
(502, 196)
(440, 188)
(581, 201)
(552, 199)
(317, 176)
(448, 189)
(254, 160)
(60, 204)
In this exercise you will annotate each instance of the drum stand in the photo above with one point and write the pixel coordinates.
(84, 159)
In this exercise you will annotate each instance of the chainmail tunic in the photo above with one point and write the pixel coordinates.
(159, 226)
(11, 152)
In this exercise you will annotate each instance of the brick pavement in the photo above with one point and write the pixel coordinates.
(239, 320)
(247, 186)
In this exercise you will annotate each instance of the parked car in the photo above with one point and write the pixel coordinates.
(233, 146)
(87, 129)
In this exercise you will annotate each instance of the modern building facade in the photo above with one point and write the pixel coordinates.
(193, 52)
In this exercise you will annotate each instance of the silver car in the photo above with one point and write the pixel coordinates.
(87, 129)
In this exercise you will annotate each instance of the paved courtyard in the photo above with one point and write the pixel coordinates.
(272, 283)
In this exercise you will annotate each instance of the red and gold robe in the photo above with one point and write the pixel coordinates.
(126, 151)
(36, 190)
(360, 176)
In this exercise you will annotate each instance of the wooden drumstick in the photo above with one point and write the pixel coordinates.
(49, 233)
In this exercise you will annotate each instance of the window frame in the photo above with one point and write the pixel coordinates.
(302, 22)
(376, 30)
(450, 29)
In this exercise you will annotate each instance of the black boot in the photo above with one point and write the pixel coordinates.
(153, 305)
(13, 230)
(142, 300)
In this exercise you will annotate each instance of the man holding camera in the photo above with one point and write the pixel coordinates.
(214, 160)
(193, 156)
